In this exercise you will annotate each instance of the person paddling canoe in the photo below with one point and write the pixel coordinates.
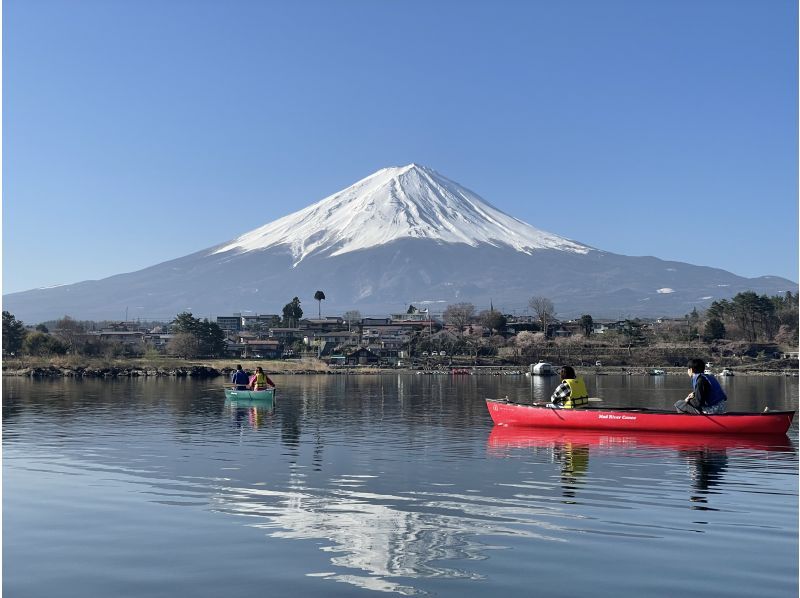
(571, 393)
(240, 379)
(707, 395)
(261, 381)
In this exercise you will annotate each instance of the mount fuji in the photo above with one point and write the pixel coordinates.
(401, 235)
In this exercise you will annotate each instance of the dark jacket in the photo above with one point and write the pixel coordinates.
(240, 378)
(707, 390)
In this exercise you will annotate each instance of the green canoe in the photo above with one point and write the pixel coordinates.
(250, 395)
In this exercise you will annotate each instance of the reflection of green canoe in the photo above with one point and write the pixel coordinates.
(250, 395)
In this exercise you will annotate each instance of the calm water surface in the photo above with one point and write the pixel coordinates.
(351, 486)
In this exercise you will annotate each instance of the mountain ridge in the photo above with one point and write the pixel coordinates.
(398, 236)
(411, 201)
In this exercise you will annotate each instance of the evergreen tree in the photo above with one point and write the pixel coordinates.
(43, 345)
(211, 339)
(292, 312)
(13, 334)
(587, 324)
(185, 322)
(714, 329)
(197, 338)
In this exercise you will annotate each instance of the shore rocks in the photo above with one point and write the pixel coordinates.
(114, 372)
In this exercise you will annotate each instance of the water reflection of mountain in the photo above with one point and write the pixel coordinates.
(388, 536)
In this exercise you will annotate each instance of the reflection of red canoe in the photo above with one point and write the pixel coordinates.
(639, 420)
(503, 437)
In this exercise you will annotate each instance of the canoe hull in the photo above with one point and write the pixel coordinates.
(639, 420)
(250, 395)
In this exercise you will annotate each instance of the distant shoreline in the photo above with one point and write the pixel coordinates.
(209, 369)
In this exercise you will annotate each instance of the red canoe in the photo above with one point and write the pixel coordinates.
(638, 420)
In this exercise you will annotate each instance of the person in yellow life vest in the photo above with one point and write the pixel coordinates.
(571, 393)
(261, 381)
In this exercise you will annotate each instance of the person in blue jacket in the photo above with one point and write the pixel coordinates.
(240, 379)
(707, 395)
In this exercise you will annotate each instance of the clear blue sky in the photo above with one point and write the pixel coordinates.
(139, 131)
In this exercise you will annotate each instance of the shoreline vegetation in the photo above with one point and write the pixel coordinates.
(67, 367)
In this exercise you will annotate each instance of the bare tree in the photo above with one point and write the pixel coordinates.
(459, 315)
(545, 311)
(184, 345)
(71, 333)
(493, 320)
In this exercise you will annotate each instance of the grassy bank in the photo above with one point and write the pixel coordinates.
(166, 366)
(74, 363)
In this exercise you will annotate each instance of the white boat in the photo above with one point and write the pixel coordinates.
(726, 372)
(541, 369)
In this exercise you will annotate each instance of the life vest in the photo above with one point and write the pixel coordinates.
(261, 380)
(717, 394)
(578, 395)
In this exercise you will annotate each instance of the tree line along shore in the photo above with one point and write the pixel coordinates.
(208, 369)
(746, 333)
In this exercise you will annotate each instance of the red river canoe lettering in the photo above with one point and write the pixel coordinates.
(609, 416)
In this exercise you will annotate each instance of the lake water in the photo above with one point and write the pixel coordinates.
(355, 485)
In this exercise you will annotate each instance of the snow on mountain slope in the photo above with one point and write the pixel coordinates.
(397, 203)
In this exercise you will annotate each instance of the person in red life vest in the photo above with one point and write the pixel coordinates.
(707, 395)
(262, 381)
(571, 393)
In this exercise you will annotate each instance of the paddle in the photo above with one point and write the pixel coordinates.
(542, 404)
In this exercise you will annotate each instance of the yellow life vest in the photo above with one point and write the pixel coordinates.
(578, 395)
(261, 381)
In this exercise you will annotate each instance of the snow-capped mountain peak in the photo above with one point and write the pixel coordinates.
(395, 203)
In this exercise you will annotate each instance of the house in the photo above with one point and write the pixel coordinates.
(287, 335)
(362, 356)
(230, 323)
(602, 326)
(337, 338)
(375, 322)
(321, 324)
(133, 339)
(260, 321)
(326, 342)
(258, 348)
(417, 318)
(158, 340)
(394, 335)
